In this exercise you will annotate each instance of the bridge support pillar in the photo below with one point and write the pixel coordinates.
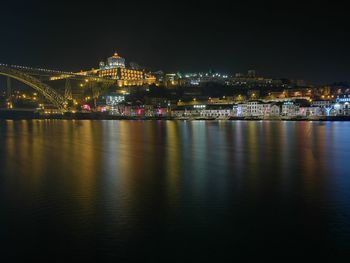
(8, 88)
(68, 90)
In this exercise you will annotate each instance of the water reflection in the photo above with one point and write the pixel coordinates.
(106, 186)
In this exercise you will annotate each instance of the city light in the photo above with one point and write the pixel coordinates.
(199, 106)
(122, 76)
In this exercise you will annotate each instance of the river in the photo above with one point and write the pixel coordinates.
(174, 191)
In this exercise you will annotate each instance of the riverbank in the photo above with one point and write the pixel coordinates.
(31, 115)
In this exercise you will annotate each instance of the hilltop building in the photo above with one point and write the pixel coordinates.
(115, 68)
(114, 61)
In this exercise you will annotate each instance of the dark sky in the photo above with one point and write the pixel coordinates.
(296, 40)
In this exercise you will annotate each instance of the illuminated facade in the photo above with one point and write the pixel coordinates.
(114, 61)
(121, 74)
(115, 69)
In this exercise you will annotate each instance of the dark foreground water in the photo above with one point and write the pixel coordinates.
(167, 191)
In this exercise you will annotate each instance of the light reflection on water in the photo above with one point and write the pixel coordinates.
(208, 189)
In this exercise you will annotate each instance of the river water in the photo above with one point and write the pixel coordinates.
(174, 191)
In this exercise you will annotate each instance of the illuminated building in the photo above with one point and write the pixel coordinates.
(115, 68)
(114, 99)
(216, 111)
(274, 110)
(321, 103)
(150, 79)
(171, 80)
(310, 111)
(290, 109)
(114, 61)
(111, 102)
(342, 106)
(121, 74)
(343, 99)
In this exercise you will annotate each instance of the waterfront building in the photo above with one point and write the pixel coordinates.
(137, 111)
(149, 110)
(179, 112)
(187, 111)
(264, 110)
(321, 103)
(275, 110)
(255, 109)
(241, 110)
(161, 112)
(120, 110)
(342, 105)
(234, 112)
(290, 109)
(217, 111)
(203, 111)
(343, 99)
(310, 111)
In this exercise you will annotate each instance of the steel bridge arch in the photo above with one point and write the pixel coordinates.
(49, 93)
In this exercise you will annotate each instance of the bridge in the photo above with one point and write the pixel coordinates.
(49, 93)
(33, 77)
(52, 75)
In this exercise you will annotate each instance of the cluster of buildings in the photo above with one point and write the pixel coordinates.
(116, 105)
(133, 78)
(249, 80)
(224, 109)
(268, 109)
(128, 90)
(115, 68)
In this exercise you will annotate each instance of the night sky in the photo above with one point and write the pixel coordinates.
(299, 41)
